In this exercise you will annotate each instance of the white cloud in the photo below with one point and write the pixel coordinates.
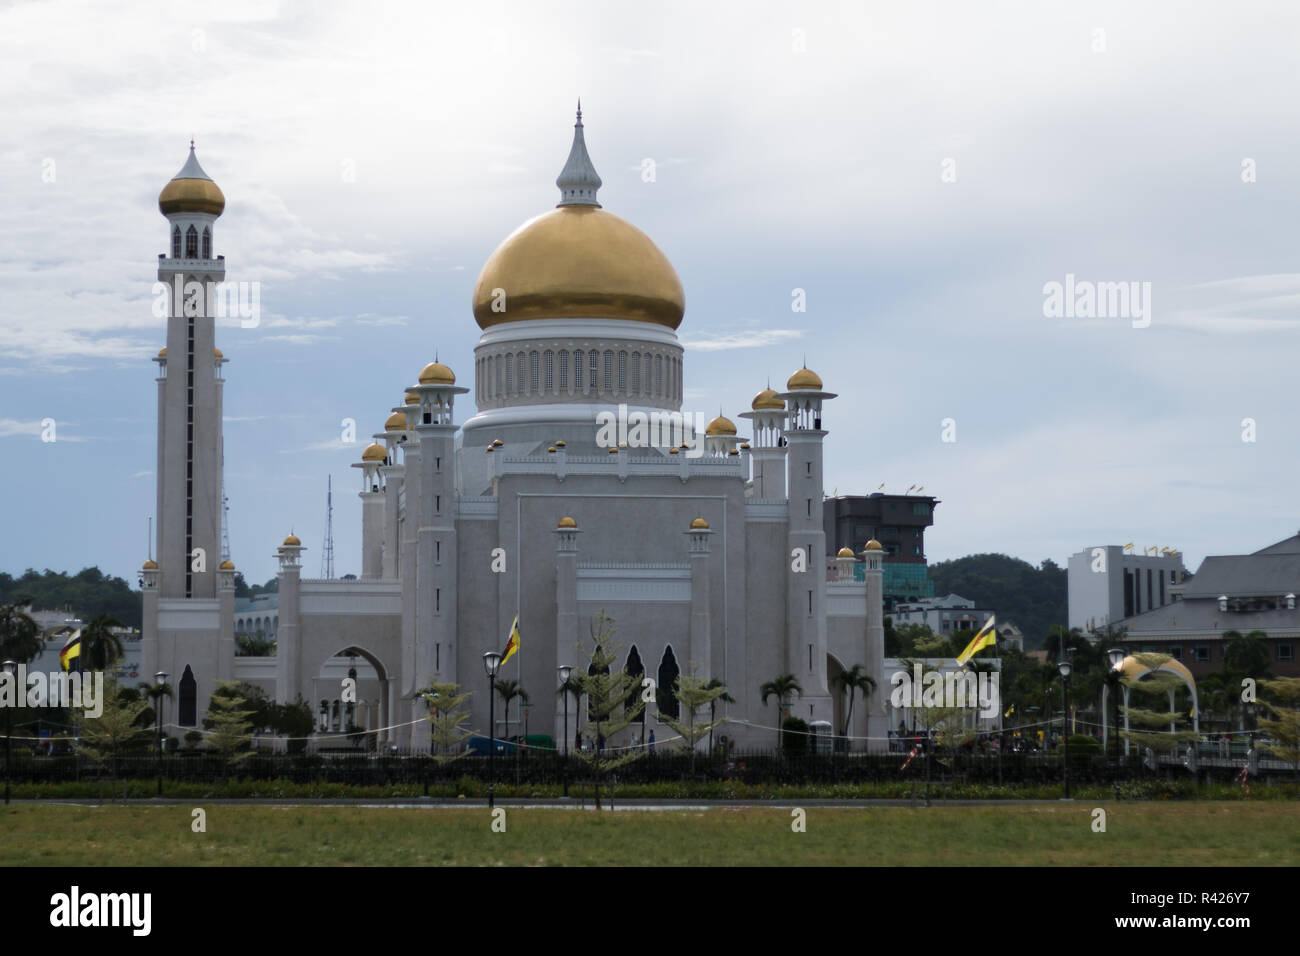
(749, 339)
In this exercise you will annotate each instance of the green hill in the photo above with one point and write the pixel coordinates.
(86, 593)
(1034, 599)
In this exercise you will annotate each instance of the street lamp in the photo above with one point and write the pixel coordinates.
(491, 663)
(1064, 667)
(566, 671)
(1115, 657)
(160, 681)
(11, 668)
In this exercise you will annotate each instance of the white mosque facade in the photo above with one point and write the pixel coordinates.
(708, 552)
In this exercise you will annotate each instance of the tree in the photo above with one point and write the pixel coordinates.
(511, 690)
(1246, 655)
(573, 687)
(20, 636)
(612, 701)
(228, 724)
(447, 715)
(154, 693)
(694, 693)
(254, 645)
(294, 722)
(783, 687)
(723, 698)
(1282, 700)
(100, 647)
(851, 681)
(115, 731)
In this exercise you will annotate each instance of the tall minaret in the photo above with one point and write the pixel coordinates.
(806, 589)
(189, 390)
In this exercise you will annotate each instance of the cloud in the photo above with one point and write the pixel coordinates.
(750, 339)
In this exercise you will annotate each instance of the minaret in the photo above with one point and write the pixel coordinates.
(189, 406)
(578, 180)
(768, 451)
(806, 589)
(874, 705)
(566, 611)
(697, 546)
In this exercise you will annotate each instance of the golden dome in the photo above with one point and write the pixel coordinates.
(435, 373)
(721, 426)
(291, 542)
(412, 398)
(579, 262)
(216, 353)
(673, 451)
(150, 565)
(497, 443)
(874, 545)
(559, 443)
(162, 352)
(566, 522)
(844, 553)
(550, 450)
(396, 423)
(734, 452)
(227, 565)
(191, 191)
(1134, 668)
(766, 399)
(613, 451)
(699, 524)
(374, 452)
(804, 378)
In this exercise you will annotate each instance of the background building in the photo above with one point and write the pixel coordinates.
(942, 615)
(898, 522)
(1108, 584)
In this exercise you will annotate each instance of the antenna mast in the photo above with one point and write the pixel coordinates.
(327, 552)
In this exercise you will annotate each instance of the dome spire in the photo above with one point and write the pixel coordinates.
(578, 181)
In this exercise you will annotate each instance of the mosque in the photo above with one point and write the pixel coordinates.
(707, 551)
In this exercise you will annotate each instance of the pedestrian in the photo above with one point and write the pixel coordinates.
(652, 741)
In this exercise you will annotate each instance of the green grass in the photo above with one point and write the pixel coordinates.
(1160, 834)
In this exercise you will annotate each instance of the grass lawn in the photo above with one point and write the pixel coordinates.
(1161, 834)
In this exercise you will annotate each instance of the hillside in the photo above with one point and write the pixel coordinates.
(1034, 599)
(87, 593)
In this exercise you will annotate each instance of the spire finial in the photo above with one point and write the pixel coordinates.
(578, 181)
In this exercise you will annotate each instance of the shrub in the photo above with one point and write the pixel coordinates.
(794, 737)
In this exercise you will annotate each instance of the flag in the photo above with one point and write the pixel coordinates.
(70, 650)
(512, 644)
(1010, 710)
(986, 637)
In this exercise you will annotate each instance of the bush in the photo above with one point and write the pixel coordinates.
(794, 737)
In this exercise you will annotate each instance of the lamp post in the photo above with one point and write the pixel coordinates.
(491, 663)
(11, 668)
(1063, 666)
(1115, 657)
(160, 681)
(566, 671)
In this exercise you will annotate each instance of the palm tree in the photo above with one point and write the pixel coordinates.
(724, 697)
(1245, 655)
(572, 686)
(100, 647)
(853, 680)
(20, 636)
(510, 690)
(155, 693)
(782, 688)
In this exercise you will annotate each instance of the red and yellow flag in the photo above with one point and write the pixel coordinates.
(512, 644)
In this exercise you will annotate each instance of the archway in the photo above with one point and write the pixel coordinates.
(1136, 667)
(344, 681)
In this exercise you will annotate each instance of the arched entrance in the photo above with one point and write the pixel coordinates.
(349, 695)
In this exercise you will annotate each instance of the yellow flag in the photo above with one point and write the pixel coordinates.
(986, 637)
(512, 644)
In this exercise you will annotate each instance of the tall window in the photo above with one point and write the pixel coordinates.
(510, 373)
(592, 669)
(609, 370)
(622, 372)
(664, 690)
(192, 243)
(636, 372)
(578, 383)
(532, 372)
(496, 362)
(187, 712)
(645, 374)
(519, 373)
(207, 243)
(633, 668)
(593, 370)
(548, 366)
(659, 375)
(564, 369)
(176, 243)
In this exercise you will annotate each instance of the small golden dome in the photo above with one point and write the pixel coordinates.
(559, 443)
(766, 399)
(844, 553)
(566, 522)
(150, 565)
(227, 565)
(396, 422)
(374, 452)
(489, 449)
(804, 378)
(412, 398)
(497, 443)
(162, 352)
(744, 445)
(191, 191)
(435, 373)
(216, 353)
(721, 426)
(613, 451)
(291, 541)
(874, 545)
(734, 451)
(578, 262)
(673, 451)
(550, 450)
(699, 524)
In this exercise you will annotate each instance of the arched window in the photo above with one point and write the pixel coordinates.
(593, 370)
(659, 376)
(622, 372)
(592, 669)
(633, 668)
(519, 374)
(636, 372)
(191, 243)
(510, 373)
(176, 243)
(187, 710)
(578, 383)
(548, 371)
(609, 370)
(532, 372)
(666, 687)
(496, 360)
(207, 243)
(564, 369)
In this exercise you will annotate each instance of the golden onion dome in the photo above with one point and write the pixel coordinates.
(550, 450)
(162, 352)
(566, 522)
(396, 422)
(191, 190)
(497, 443)
(613, 451)
(559, 443)
(227, 565)
(699, 524)
(804, 378)
(216, 353)
(291, 542)
(150, 565)
(844, 553)
(766, 399)
(412, 398)
(673, 451)
(874, 545)
(435, 373)
(720, 426)
(374, 452)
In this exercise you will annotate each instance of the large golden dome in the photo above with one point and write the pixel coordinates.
(191, 190)
(579, 262)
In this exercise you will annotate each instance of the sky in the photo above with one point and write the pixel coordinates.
(922, 171)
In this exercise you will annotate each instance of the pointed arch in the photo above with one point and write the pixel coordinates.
(592, 669)
(187, 710)
(665, 686)
(633, 668)
(207, 243)
(191, 243)
(176, 242)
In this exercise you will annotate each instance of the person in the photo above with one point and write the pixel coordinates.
(652, 741)
(892, 744)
